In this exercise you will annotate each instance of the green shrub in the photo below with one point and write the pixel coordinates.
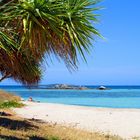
(9, 104)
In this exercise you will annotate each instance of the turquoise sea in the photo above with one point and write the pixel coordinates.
(117, 97)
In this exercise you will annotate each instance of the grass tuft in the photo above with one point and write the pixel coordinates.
(10, 104)
(8, 100)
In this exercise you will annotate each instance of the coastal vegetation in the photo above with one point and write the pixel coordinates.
(9, 104)
(9, 100)
(32, 31)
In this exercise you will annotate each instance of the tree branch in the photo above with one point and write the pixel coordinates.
(5, 76)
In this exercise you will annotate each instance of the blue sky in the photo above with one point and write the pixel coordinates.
(113, 61)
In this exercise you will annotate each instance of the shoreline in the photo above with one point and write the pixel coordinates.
(122, 122)
(82, 106)
(85, 106)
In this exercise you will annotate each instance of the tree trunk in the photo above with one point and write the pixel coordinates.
(5, 76)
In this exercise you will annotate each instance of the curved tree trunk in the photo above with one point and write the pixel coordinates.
(4, 77)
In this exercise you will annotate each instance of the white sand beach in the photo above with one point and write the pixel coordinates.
(122, 122)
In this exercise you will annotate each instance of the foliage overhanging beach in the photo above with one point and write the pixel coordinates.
(33, 30)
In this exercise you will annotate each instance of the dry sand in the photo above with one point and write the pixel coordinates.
(122, 122)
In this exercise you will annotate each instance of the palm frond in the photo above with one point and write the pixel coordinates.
(38, 27)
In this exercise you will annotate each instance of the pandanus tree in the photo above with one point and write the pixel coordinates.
(32, 29)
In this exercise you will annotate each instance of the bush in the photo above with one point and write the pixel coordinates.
(9, 104)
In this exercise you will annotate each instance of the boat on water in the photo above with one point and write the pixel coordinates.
(103, 88)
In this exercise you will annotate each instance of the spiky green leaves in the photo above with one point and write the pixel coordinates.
(61, 27)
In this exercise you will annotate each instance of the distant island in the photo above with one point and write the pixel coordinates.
(65, 86)
(69, 87)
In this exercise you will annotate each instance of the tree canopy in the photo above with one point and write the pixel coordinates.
(32, 29)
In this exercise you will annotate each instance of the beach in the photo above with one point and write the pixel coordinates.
(122, 122)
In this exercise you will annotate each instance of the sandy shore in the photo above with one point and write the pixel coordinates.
(122, 122)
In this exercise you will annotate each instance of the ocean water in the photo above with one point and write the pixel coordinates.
(117, 97)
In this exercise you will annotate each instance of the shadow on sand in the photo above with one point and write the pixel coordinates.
(16, 124)
(3, 137)
(24, 125)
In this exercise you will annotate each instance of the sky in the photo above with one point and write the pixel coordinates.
(112, 61)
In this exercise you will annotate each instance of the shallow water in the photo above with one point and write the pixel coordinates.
(117, 97)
